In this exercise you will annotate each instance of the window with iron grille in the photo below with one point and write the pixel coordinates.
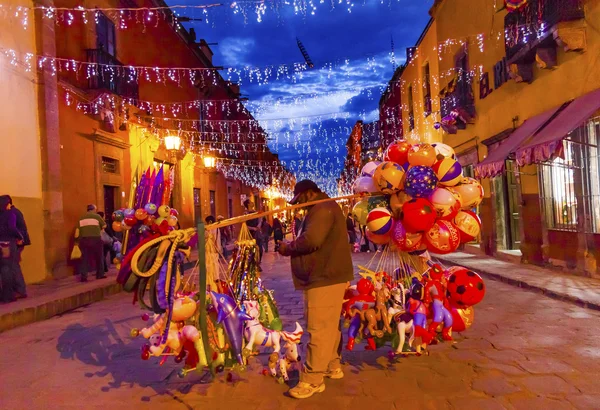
(110, 165)
(105, 35)
(426, 90)
(571, 185)
(411, 110)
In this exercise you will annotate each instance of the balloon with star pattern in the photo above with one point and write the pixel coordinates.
(421, 172)
(421, 181)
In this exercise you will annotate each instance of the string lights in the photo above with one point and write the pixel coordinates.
(226, 127)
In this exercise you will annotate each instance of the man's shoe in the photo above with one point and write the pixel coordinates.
(84, 279)
(335, 374)
(101, 277)
(305, 390)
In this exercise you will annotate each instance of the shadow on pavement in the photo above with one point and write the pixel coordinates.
(119, 362)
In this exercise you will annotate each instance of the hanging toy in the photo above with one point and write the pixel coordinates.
(435, 296)
(403, 319)
(257, 334)
(232, 318)
(418, 309)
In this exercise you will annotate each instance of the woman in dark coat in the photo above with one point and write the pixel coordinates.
(277, 232)
(10, 238)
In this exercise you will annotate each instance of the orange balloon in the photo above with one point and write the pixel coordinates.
(150, 220)
(422, 154)
(378, 239)
(117, 226)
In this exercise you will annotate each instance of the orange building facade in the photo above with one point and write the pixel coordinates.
(517, 95)
(98, 132)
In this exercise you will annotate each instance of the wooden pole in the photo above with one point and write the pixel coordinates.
(244, 218)
(203, 316)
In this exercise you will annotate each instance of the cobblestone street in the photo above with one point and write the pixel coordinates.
(524, 351)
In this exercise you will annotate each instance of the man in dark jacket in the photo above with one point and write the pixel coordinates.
(89, 230)
(321, 267)
(19, 280)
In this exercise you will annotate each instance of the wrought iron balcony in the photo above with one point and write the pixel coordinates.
(533, 25)
(109, 74)
(458, 102)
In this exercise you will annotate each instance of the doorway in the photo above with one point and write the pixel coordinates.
(197, 206)
(506, 203)
(514, 220)
(110, 193)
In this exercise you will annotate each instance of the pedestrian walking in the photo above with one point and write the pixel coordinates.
(267, 231)
(351, 229)
(19, 285)
(107, 243)
(214, 234)
(10, 240)
(252, 223)
(322, 267)
(89, 237)
(277, 233)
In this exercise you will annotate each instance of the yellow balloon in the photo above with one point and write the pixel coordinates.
(422, 154)
(172, 220)
(164, 211)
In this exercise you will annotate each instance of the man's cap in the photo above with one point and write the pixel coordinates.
(303, 186)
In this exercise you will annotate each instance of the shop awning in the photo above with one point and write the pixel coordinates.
(548, 143)
(494, 163)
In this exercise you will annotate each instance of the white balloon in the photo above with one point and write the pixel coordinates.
(443, 151)
(369, 168)
(364, 185)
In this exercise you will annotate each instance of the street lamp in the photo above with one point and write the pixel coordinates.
(172, 143)
(209, 162)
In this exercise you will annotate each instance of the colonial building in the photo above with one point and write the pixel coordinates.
(106, 115)
(517, 94)
(353, 160)
(363, 145)
(390, 110)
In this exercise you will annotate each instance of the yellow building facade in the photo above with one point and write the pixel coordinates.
(21, 159)
(491, 72)
(58, 157)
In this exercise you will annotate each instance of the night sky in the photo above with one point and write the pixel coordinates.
(310, 116)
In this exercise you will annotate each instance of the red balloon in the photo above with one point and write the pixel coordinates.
(130, 220)
(418, 215)
(174, 212)
(462, 319)
(465, 288)
(150, 219)
(405, 241)
(443, 237)
(468, 224)
(378, 239)
(398, 152)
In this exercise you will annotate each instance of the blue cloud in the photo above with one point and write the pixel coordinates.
(310, 118)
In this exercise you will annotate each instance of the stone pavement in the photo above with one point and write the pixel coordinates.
(524, 351)
(57, 296)
(582, 291)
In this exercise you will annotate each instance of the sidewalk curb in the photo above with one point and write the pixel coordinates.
(48, 309)
(56, 307)
(528, 286)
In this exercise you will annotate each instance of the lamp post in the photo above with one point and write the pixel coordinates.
(173, 144)
(209, 161)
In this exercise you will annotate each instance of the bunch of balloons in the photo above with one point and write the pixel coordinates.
(144, 219)
(425, 204)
